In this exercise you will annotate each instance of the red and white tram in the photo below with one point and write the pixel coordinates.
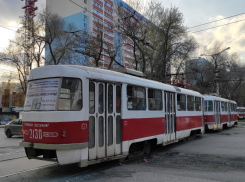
(241, 112)
(219, 112)
(84, 115)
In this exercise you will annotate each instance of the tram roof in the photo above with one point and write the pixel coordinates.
(240, 107)
(211, 97)
(102, 75)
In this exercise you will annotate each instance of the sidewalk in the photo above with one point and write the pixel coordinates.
(1, 126)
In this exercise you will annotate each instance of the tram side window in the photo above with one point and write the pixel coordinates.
(155, 99)
(223, 106)
(198, 105)
(226, 106)
(190, 103)
(210, 106)
(136, 98)
(70, 98)
(91, 98)
(181, 102)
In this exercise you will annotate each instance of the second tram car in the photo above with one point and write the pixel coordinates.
(219, 112)
(241, 112)
(84, 115)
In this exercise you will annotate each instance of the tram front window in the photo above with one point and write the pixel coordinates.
(70, 95)
(42, 95)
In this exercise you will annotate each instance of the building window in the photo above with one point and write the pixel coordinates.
(108, 11)
(98, 5)
(108, 19)
(97, 20)
(97, 12)
(85, 17)
(109, 5)
(85, 1)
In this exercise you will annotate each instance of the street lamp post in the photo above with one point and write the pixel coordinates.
(216, 71)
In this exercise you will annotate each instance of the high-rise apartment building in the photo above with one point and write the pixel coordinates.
(86, 15)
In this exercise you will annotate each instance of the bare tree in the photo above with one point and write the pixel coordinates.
(199, 73)
(112, 50)
(170, 38)
(15, 57)
(60, 38)
(158, 37)
(202, 74)
(134, 28)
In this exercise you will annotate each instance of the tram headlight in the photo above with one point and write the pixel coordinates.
(63, 134)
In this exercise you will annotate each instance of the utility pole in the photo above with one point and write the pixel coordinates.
(216, 71)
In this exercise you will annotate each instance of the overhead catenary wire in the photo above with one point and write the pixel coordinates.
(216, 20)
(7, 28)
(217, 26)
(85, 9)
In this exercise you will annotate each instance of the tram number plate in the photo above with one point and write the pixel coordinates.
(36, 104)
(36, 133)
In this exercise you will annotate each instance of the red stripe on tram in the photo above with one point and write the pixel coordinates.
(51, 132)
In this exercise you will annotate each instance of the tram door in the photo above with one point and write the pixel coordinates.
(170, 126)
(105, 133)
(217, 114)
(203, 118)
(229, 114)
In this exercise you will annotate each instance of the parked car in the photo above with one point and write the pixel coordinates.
(13, 128)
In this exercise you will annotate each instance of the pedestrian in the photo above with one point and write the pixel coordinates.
(140, 105)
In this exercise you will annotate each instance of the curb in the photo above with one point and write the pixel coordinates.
(1, 126)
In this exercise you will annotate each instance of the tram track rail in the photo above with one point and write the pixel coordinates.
(12, 159)
(95, 169)
(24, 171)
(12, 156)
(9, 153)
(88, 172)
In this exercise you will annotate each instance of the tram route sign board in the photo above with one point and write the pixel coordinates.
(42, 94)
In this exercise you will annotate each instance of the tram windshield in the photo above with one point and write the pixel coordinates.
(63, 94)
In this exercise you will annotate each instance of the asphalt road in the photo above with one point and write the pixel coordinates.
(216, 156)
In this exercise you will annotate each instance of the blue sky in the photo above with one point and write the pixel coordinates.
(195, 12)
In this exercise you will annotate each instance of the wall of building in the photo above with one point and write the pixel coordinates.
(97, 11)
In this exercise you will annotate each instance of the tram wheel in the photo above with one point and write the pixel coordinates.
(194, 134)
(147, 147)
